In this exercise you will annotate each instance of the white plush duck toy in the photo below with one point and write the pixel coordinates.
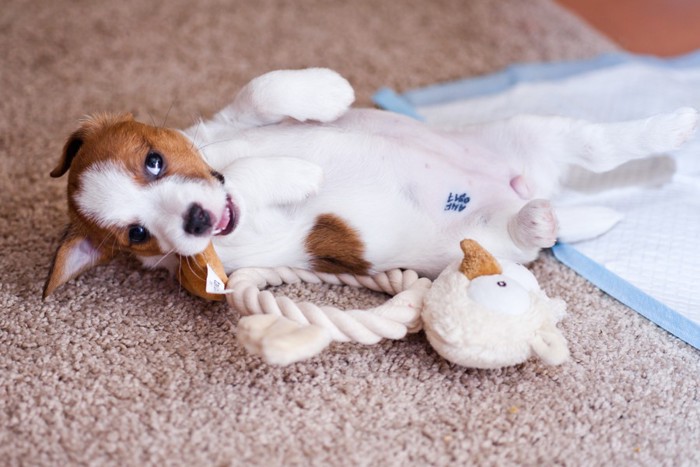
(488, 314)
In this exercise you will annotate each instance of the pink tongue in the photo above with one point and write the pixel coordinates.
(225, 219)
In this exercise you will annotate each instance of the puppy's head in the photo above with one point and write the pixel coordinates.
(136, 188)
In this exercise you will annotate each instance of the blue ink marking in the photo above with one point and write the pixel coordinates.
(457, 202)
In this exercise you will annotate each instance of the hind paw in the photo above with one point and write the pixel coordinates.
(671, 131)
(535, 225)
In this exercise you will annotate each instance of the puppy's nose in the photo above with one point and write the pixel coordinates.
(197, 220)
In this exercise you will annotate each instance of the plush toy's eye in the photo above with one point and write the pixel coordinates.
(519, 275)
(154, 163)
(499, 294)
(138, 234)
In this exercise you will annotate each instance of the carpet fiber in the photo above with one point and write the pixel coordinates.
(120, 367)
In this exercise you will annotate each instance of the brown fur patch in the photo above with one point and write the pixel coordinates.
(335, 247)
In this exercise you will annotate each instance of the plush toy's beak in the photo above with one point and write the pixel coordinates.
(477, 261)
(192, 272)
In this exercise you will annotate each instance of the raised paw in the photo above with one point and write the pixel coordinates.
(324, 96)
(535, 225)
(317, 94)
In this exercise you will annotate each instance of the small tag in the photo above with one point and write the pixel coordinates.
(214, 283)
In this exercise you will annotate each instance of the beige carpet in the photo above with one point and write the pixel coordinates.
(121, 368)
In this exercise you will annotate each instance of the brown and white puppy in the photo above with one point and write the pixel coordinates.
(289, 175)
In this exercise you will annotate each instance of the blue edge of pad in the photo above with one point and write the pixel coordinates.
(612, 284)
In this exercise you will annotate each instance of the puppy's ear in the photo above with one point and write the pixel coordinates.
(75, 141)
(70, 150)
(75, 255)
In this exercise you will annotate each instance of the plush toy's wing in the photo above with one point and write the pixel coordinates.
(550, 345)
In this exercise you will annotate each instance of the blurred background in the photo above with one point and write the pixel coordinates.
(657, 27)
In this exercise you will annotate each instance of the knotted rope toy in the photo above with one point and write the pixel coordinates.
(480, 312)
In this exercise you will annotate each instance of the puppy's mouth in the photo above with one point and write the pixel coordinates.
(228, 219)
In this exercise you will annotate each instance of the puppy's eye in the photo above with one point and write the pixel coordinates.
(154, 163)
(138, 234)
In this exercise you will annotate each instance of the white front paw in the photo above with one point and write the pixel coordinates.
(273, 180)
(316, 94)
(309, 178)
(292, 180)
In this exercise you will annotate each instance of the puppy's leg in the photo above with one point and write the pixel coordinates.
(542, 149)
(600, 147)
(316, 94)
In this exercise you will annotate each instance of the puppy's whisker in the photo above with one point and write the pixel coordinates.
(194, 271)
(187, 261)
(110, 235)
(196, 131)
(164, 258)
(167, 114)
(199, 148)
(179, 274)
